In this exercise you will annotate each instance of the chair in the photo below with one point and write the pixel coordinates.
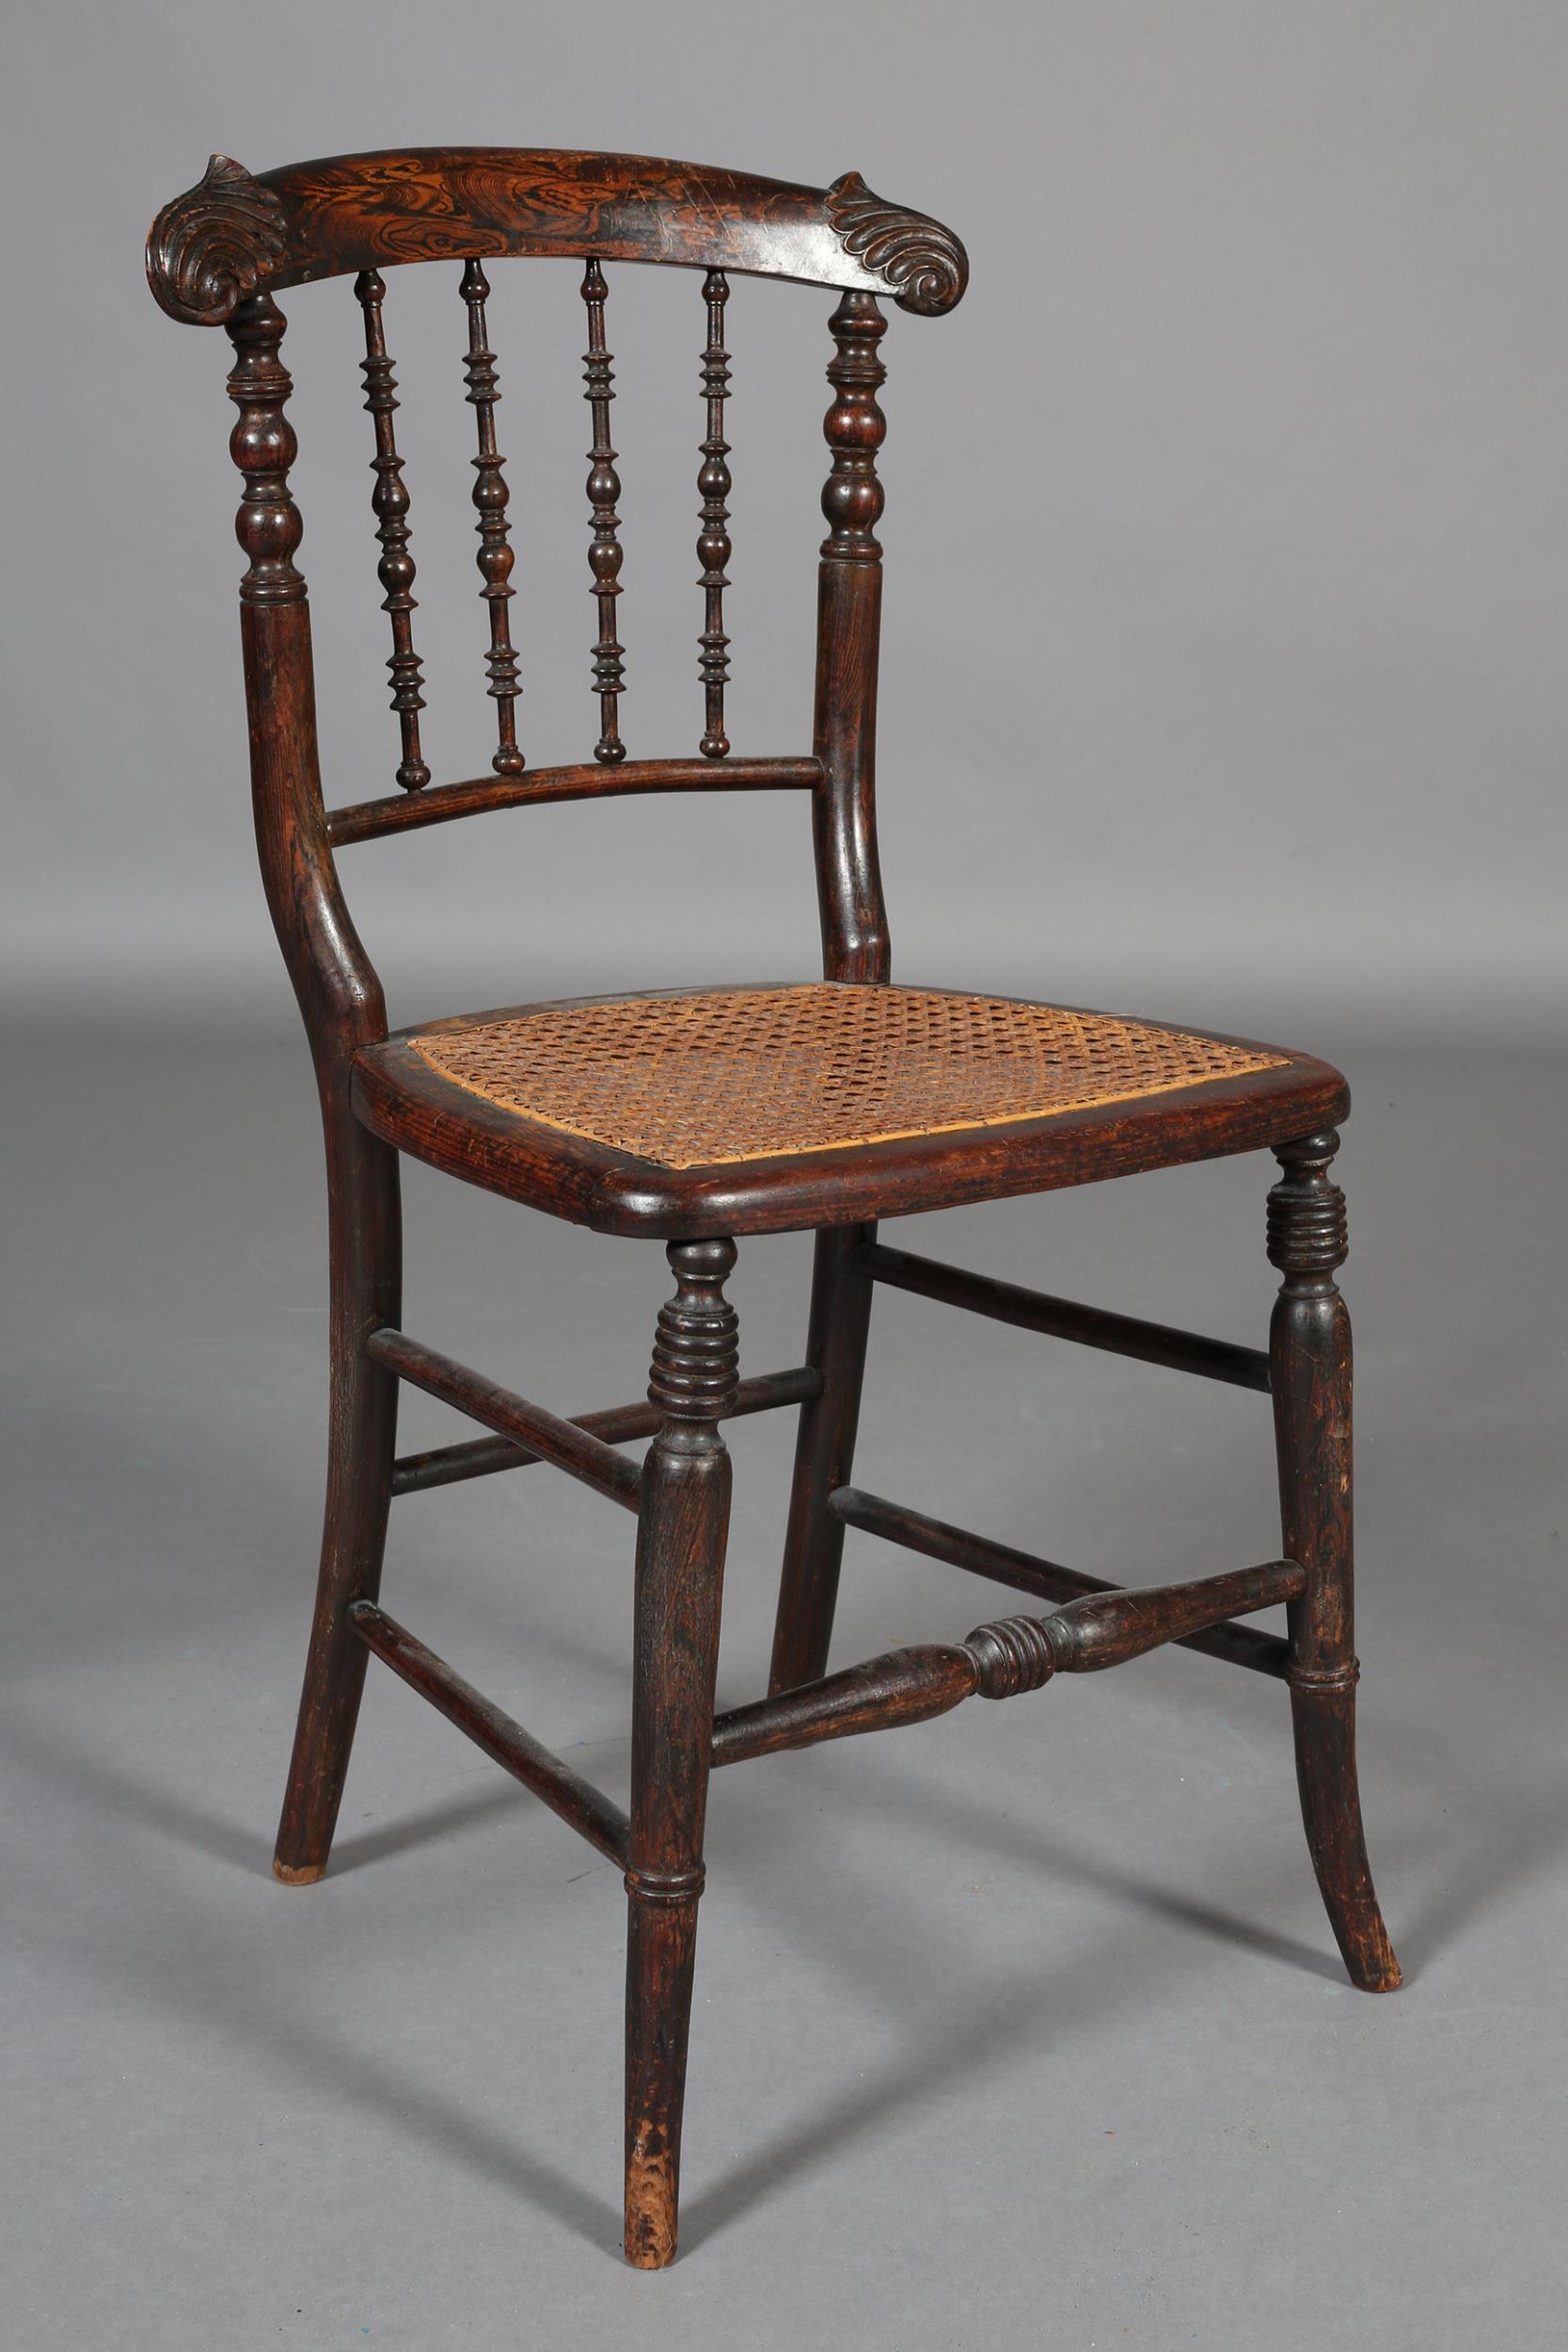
(702, 1115)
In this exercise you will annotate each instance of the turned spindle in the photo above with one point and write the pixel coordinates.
(495, 558)
(389, 505)
(604, 553)
(713, 540)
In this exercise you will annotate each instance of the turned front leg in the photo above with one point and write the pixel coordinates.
(1309, 1350)
(680, 1566)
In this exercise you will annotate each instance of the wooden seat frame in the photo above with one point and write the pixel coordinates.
(217, 256)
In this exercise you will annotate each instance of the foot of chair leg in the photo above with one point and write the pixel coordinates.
(366, 1269)
(1323, 1713)
(662, 1950)
(681, 1531)
(287, 1875)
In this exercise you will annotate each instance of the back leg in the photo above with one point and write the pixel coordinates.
(1309, 1351)
(367, 1280)
(824, 1456)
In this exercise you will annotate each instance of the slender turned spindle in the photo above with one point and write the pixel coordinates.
(495, 558)
(680, 1568)
(713, 541)
(604, 488)
(389, 505)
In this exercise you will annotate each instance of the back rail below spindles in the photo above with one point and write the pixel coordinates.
(438, 804)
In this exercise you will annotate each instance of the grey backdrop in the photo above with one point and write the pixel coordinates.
(1226, 545)
(1227, 548)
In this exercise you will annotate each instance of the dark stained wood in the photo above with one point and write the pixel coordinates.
(604, 490)
(231, 234)
(996, 1662)
(216, 256)
(680, 1568)
(404, 1101)
(1026, 1572)
(366, 821)
(491, 498)
(591, 1813)
(481, 1457)
(389, 505)
(824, 1457)
(565, 1443)
(1063, 1319)
(713, 540)
(1310, 1344)
(855, 942)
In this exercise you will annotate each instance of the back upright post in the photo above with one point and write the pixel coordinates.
(340, 999)
(855, 946)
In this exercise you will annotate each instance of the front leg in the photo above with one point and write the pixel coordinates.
(680, 1566)
(1310, 1352)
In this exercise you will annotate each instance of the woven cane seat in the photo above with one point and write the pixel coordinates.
(761, 1105)
(707, 1079)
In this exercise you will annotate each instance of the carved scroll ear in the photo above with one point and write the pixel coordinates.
(215, 244)
(923, 266)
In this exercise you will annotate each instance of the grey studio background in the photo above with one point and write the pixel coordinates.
(1223, 681)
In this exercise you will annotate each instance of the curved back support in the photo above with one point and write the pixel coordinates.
(231, 234)
(216, 257)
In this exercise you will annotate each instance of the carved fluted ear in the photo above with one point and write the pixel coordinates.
(922, 264)
(215, 244)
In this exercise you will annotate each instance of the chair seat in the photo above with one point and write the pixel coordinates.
(767, 1109)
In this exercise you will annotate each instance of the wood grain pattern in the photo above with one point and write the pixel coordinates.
(231, 233)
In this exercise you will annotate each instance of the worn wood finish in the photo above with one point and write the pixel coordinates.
(588, 1811)
(366, 821)
(216, 256)
(680, 1568)
(1309, 1345)
(824, 1457)
(1063, 1319)
(565, 1443)
(997, 1661)
(233, 233)
(481, 1457)
(1026, 1572)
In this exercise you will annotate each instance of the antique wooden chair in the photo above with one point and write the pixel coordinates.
(695, 1117)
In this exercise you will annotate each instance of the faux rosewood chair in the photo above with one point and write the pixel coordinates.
(698, 1116)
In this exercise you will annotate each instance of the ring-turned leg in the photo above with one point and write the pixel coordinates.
(824, 1457)
(366, 1283)
(1310, 1352)
(681, 1530)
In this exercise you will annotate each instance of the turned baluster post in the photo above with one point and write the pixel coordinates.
(855, 941)
(341, 1001)
(680, 1566)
